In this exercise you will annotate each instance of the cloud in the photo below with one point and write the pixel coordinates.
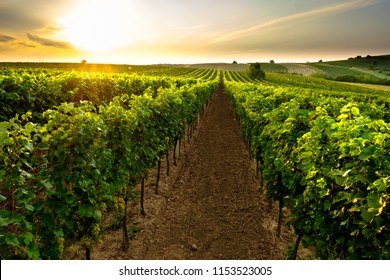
(23, 44)
(332, 9)
(48, 42)
(14, 20)
(13, 41)
(186, 33)
(53, 28)
(6, 38)
(27, 15)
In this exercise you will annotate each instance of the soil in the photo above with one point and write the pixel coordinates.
(210, 206)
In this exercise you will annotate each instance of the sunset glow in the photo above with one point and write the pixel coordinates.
(101, 26)
(172, 31)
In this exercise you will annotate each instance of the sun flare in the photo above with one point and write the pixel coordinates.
(100, 26)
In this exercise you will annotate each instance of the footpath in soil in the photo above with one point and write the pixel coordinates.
(216, 210)
(210, 207)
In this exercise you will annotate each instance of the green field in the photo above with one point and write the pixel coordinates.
(371, 66)
(373, 63)
(374, 69)
(379, 87)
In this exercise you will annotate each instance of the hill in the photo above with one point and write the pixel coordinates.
(369, 69)
(375, 66)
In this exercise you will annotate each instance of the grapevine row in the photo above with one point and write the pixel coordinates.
(58, 177)
(325, 157)
(38, 90)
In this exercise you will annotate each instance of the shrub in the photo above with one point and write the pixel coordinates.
(255, 71)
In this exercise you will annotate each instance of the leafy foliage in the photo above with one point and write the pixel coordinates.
(255, 72)
(327, 158)
(58, 176)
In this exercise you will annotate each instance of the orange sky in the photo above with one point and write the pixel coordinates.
(173, 31)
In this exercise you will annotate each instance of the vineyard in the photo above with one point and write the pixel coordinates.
(78, 145)
(326, 157)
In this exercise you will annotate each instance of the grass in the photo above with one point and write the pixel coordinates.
(377, 66)
(379, 62)
(335, 71)
(371, 86)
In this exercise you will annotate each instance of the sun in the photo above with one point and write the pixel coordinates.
(99, 26)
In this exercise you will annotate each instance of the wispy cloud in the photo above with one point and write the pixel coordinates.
(10, 41)
(23, 44)
(52, 28)
(332, 9)
(6, 38)
(26, 15)
(186, 32)
(48, 42)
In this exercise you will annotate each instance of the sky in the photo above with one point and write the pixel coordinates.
(178, 31)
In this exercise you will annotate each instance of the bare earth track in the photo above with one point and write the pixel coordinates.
(215, 210)
(210, 207)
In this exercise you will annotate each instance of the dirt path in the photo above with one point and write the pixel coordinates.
(210, 207)
(216, 210)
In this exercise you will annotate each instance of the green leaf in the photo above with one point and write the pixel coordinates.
(379, 184)
(26, 174)
(367, 216)
(3, 137)
(343, 116)
(47, 184)
(28, 146)
(5, 221)
(306, 241)
(29, 128)
(28, 238)
(43, 146)
(355, 111)
(340, 196)
(33, 253)
(12, 240)
(346, 173)
(58, 232)
(367, 153)
(29, 207)
(4, 126)
(69, 198)
(2, 198)
(29, 226)
(340, 240)
(97, 214)
(355, 232)
(373, 201)
(86, 210)
(340, 180)
(354, 209)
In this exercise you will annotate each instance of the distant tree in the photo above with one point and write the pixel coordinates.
(235, 62)
(83, 61)
(359, 56)
(368, 56)
(272, 61)
(320, 61)
(255, 71)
